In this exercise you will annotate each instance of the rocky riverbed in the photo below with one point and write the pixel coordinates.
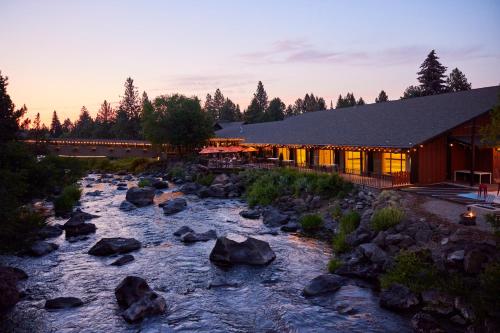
(199, 296)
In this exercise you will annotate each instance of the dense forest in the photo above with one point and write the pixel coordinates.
(134, 115)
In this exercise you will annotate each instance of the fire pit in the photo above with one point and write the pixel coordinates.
(468, 218)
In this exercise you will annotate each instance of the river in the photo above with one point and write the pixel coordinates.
(264, 299)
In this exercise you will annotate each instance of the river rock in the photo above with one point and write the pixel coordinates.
(50, 231)
(122, 188)
(134, 294)
(95, 193)
(78, 214)
(77, 226)
(159, 184)
(63, 303)
(140, 196)
(474, 260)
(219, 282)
(438, 302)
(191, 237)
(324, 283)
(273, 218)
(217, 191)
(123, 260)
(252, 214)
(127, 206)
(290, 227)
(374, 253)
(398, 297)
(9, 294)
(41, 248)
(183, 230)
(221, 179)
(252, 251)
(425, 323)
(109, 246)
(174, 206)
(203, 192)
(189, 188)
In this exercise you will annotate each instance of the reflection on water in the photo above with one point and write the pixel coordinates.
(259, 299)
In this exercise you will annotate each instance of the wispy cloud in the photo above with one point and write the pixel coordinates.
(302, 51)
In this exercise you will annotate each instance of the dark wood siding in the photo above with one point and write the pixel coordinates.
(432, 161)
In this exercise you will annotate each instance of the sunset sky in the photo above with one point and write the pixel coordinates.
(60, 55)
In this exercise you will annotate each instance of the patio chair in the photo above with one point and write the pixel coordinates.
(483, 188)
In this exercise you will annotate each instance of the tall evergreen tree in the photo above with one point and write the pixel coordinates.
(360, 101)
(382, 97)
(411, 92)
(432, 75)
(131, 105)
(255, 112)
(261, 96)
(347, 101)
(55, 126)
(218, 103)
(37, 127)
(9, 117)
(276, 110)
(209, 108)
(104, 121)
(229, 111)
(121, 126)
(67, 127)
(84, 126)
(289, 111)
(457, 81)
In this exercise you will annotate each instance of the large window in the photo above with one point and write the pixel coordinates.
(300, 157)
(393, 162)
(353, 161)
(325, 157)
(285, 152)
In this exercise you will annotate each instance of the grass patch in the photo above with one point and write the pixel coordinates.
(333, 264)
(386, 218)
(348, 223)
(265, 186)
(336, 211)
(205, 179)
(144, 182)
(414, 270)
(311, 222)
(64, 203)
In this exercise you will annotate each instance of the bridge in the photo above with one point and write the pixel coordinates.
(113, 148)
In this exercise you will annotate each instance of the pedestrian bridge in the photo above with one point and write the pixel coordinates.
(101, 148)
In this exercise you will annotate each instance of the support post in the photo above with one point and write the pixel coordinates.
(473, 152)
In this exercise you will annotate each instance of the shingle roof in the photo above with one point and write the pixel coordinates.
(395, 124)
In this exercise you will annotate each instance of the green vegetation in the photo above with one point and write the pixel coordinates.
(265, 186)
(311, 222)
(205, 179)
(64, 203)
(413, 270)
(176, 172)
(494, 221)
(333, 264)
(130, 164)
(490, 288)
(336, 211)
(386, 218)
(144, 183)
(347, 224)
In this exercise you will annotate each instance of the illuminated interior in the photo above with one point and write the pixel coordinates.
(285, 152)
(300, 156)
(393, 162)
(326, 157)
(353, 161)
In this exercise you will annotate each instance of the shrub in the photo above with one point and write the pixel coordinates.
(64, 203)
(339, 243)
(386, 218)
(413, 270)
(19, 231)
(349, 222)
(177, 172)
(494, 221)
(311, 222)
(144, 182)
(336, 212)
(490, 288)
(333, 264)
(205, 179)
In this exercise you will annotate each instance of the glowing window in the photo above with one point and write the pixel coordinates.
(325, 157)
(393, 162)
(285, 152)
(353, 161)
(301, 156)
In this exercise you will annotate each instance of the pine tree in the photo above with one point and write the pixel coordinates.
(432, 75)
(256, 111)
(382, 97)
(67, 127)
(37, 127)
(106, 114)
(209, 108)
(218, 104)
(491, 131)
(411, 92)
(229, 111)
(289, 111)
(261, 96)
(360, 101)
(340, 102)
(9, 117)
(55, 126)
(457, 81)
(84, 126)
(276, 110)
(131, 105)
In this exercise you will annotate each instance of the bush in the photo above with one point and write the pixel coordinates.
(336, 212)
(144, 182)
(64, 203)
(386, 218)
(349, 222)
(205, 179)
(19, 231)
(414, 270)
(311, 222)
(339, 243)
(494, 221)
(177, 172)
(333, 264)
(490, 288)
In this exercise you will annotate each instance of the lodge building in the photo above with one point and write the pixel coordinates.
(414, 141)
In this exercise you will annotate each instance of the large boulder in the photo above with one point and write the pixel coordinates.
(189, 188)
(273, 218)
(41, 248)
(123, 260)
(77, 226)
(425, 323)
(252, 251)
(174, 206)
(80, 215)
(127, 206)
(140, 196)
(324, 283)
(398, 297)
(159, 184)
(221, 179)
(217, 191)
(203, 192)
(438, 302)
(139, 301)
(183, 230)
(109, 246)
(63, 303)
(9, 294)
(50, 231)
(374, 253)
(191, 237)
(251, 214)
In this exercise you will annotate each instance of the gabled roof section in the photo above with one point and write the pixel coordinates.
(394, 124)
